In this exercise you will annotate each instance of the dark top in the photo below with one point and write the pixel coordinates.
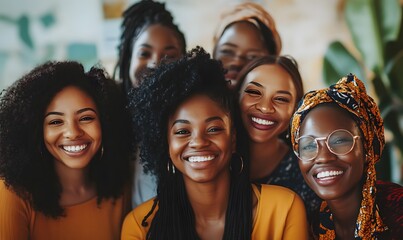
(288, 174)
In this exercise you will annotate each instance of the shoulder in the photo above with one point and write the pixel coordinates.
(389, 199)
(277, 192)
(279, 198)
(132, 225)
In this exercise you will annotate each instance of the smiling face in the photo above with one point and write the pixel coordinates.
(267, 101)
(331, 176)
(72, 129)
(239, 44)
(200, 140)
(155, 43)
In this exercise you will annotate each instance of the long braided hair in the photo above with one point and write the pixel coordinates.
(151, 105)
(136, 19)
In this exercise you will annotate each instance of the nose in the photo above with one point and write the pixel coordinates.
(198, 141)
(239, 61)
(73, 131)
(154, 61)
(264, 106)
(324, 154)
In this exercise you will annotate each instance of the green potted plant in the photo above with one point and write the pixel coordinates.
(376, 30)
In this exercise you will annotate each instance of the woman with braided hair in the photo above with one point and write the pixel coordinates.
(338, 136)
(184, 112)
(149, 37)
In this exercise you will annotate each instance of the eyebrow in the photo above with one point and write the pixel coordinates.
(169, 47)
(78, 112)
(210, 119)
(229, 44)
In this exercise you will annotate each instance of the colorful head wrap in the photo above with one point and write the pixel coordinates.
(350, 94)
(248, 11)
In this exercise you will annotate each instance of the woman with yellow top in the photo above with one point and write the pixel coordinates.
(64, 150)
(184, 113)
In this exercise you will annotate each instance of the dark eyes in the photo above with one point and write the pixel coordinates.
(210, 130)
(181, 132)
(252, 91)
(87, 118)
(55, 122)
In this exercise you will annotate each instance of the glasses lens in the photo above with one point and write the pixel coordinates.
(341, 142)
(307, 148)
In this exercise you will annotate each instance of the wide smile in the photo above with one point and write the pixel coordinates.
(75, 148)
(261, 121)
(326, 177)
(201, 158)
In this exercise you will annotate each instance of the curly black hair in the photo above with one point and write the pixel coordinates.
(152, 104)
(25, 164)
(136, 19)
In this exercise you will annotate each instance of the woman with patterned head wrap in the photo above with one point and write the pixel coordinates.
(338, 135)
(245, 32)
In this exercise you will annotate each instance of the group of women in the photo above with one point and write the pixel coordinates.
(188, 146)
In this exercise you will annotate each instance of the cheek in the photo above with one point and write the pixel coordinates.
(136, 66)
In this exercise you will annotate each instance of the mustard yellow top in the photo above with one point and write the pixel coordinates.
(280, 214)
(19, 221)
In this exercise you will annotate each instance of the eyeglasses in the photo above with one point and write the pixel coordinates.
(339, 142)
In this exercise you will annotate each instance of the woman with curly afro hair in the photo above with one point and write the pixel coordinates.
(64, 155)
(184, 114)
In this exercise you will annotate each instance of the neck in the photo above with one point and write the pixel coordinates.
(345, 212)
(209, 202)
(75, 183)
(265, 157)
(214, 200)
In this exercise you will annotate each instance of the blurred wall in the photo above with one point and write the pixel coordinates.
(35, 31)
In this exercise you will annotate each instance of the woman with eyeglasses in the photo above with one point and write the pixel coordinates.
(338, 136)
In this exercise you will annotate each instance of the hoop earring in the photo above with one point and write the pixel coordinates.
(169, 167)
(102, 152)
(240, 159)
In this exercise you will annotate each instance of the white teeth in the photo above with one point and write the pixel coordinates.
(262, 121)
(200, 158)
(76, 148)
(329, 174)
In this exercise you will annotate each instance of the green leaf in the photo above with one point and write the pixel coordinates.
(394, 69)
(23, 28)
(339, 62)
(48, 19)
(361, 20)
(390, 15)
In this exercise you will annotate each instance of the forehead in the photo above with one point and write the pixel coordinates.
(271, 76)
(326, 118)
(157, 35)
(71, 97)
(243, 35)
(199, 107)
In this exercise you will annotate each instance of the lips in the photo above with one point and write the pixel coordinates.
(200, 158)
(74, 148)
(262, 123)
(327, 174)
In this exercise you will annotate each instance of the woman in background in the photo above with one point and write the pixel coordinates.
(338, 134)
(64, 155)
(245, 32)
(149, 37)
